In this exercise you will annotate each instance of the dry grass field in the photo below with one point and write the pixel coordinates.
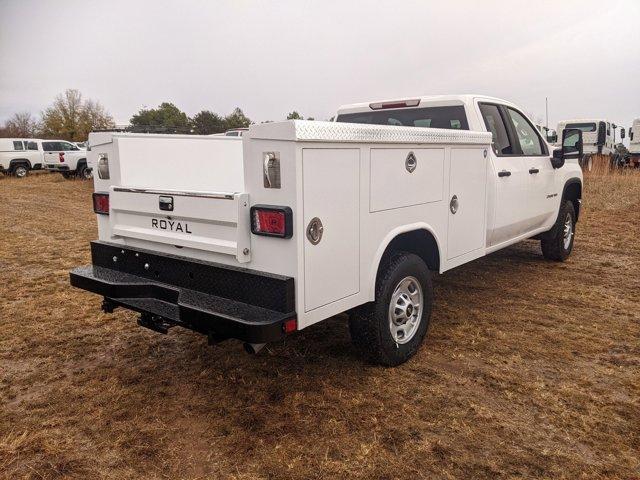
(531, 369)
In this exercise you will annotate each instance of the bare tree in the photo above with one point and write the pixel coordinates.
(20, 125)
(72, 118)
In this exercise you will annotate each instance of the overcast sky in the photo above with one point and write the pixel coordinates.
(312, 56)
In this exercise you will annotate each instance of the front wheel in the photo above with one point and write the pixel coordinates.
(557, 243)
(389, 331)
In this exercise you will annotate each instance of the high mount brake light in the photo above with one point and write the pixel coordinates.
(271, 221)
(101, 203)
(395, 104)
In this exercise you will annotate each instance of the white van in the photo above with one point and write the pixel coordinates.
(634, 142)
(20, 155)
(599, 137)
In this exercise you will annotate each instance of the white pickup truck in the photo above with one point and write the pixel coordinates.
(256, 238)
(18, 156)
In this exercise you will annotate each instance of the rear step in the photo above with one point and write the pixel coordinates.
(218, 301)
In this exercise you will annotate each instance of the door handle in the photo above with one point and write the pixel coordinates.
(533, 170)
(504, 173)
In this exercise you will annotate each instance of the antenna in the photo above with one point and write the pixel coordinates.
(546, 107)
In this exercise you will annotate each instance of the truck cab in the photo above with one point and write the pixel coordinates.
(599, 137)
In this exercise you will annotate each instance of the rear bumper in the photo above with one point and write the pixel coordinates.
(57, 168)
(209, 298)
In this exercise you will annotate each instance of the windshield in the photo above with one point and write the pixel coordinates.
(585, 127)
(453, 117)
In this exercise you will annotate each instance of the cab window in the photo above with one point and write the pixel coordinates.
(18, 145)
(452, 117)
(530, 142)
(32, 145)
(495, 124)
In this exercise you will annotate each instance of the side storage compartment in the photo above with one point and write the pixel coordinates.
(467, 201)
(331, 205)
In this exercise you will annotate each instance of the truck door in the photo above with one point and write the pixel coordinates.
(331, 183)
(541, 202)
(508, 178)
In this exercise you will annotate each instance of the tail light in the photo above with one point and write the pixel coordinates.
(61, 157)
(271, 221)
(101, 203)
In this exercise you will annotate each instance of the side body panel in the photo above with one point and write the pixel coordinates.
(331, 195)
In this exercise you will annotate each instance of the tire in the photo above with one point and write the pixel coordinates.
(389, 337)
(85, 173)
(20, 170)
(557, 244)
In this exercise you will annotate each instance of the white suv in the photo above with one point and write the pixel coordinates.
(66, 158)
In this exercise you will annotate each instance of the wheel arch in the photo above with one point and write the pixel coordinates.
(19, 161)
(419, 239)
(573, 191)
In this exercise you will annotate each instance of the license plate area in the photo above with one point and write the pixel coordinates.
(214, 222)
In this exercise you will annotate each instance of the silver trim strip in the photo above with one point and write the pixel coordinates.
(177, 193)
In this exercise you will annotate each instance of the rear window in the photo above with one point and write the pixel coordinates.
(50, 146)
(32, 146)
(585, 127)
(18, 146)
(430, 117)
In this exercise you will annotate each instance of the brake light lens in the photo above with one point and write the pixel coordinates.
(61, 157)
(395, 104)
(272, 221)
(101, 203)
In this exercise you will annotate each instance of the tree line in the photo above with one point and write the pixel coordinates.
(71, 117)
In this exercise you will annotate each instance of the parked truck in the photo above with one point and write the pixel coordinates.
(18, 156)
(259, 237)
(599, 136)
(634, 143)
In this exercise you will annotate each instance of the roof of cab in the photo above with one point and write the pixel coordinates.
(424, 99)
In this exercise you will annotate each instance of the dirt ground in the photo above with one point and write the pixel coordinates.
(531, 369)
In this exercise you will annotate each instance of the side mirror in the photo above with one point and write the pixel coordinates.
(552, 136)
(571, 147)
(623, 133)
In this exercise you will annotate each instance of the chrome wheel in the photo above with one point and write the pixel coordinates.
(567, 233)
(87, 173)
(21, 171)
(405, 310)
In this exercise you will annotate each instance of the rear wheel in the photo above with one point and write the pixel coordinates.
(20, 171)
(390, 330)
(557, 244)
(85, 172)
